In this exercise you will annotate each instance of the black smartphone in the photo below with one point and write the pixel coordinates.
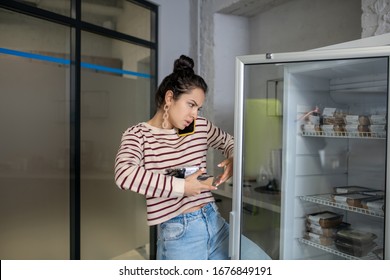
(203, 177)
(188, 130)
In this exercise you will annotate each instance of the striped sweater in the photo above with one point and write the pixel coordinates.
(146, 152)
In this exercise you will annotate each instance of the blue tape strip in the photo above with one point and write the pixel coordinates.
(35, 56)
(67, 62)
(113, 70)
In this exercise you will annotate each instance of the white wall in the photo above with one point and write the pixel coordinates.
(174, 33)
(305, 24)
(220, 101)
(227, 46)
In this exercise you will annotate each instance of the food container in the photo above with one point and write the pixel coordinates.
(339, 128)
(311, 128)
(349, 189)
(356, 130)
(327, 232)
(357, 119)
(314, 119)
(333, 120)
(355, 242)
(350, 199)
(364, 120)
(352, 129)
(355, 237)
(352, 119)
(378, 119)
(328, 116)
(329, 120)
(378, 130)
(320, 239)
(353, 250)
(333, 129)
(375, 193)
(327, 128)
(374, 203)
(325, 219)
(339, 117)
(363, 128)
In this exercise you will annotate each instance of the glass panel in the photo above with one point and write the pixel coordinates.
(123, 16)
(61, 7)
(115, 94)
(334, 159)
(262, 156)
(34, 172)
(336, 126)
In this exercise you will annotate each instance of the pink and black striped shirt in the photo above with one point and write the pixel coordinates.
(146, 152)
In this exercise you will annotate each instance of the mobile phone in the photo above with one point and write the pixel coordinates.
(187, 130)
(204, 177)
(181, 172)
(207, 179)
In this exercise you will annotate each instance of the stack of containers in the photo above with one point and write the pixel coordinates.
(361, 197)
(335, 122)
(322, 227)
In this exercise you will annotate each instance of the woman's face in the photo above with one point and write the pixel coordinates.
(184, 110)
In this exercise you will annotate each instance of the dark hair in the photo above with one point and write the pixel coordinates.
(180, 81)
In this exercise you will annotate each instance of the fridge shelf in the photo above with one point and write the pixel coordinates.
(332, 249)
(325, 199)
(361, 135)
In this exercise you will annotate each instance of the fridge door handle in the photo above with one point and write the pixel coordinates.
(231, 234)
(234, 237)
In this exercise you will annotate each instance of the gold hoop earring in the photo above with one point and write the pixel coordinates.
(165, 117)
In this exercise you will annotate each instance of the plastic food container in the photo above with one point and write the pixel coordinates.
(357, 251)
(327, 232)
(355, 237)
(374, 203)
(320, 239)
(378, 119)
(351, 199)
(350, 189)
(325, 219)
(375, 193)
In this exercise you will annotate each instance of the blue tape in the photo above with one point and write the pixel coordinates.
(113, 70)
(35, 56)
(67, 62)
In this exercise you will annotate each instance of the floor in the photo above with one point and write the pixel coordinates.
(141, 253)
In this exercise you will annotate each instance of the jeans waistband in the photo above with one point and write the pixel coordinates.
(209, 207)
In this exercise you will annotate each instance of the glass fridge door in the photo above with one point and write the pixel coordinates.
(310, 171)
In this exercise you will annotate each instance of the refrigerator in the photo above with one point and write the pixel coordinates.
(311, 179)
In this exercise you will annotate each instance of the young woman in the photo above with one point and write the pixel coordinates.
(189, 224)
(180, 203)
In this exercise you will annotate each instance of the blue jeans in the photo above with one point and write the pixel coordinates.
(200, 235)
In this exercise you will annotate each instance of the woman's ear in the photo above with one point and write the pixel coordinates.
(169, 97)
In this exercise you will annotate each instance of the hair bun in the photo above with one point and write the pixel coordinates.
(184, 63)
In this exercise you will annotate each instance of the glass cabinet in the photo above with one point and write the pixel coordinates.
(311, 150)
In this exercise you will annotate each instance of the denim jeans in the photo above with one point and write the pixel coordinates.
(200, 235)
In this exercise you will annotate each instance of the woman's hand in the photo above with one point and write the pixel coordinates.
(227, 166)
(193, 186)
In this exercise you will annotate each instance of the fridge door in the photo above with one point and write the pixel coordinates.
(310, 166)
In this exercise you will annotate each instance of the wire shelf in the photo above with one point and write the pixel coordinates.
(332, 249)
(325, 199)
(335, 134)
